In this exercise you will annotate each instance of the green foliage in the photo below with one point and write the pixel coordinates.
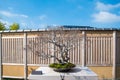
(14, 26)
(62, 66)
(2, 26)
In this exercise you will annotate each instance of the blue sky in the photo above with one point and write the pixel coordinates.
(35, 14)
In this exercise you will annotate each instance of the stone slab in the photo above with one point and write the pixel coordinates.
(77, 73)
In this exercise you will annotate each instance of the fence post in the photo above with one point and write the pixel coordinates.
(1, 69)
(83, 47)
(114, 54)
(53, 47)
(25, 56)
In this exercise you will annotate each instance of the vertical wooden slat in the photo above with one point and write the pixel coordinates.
(101, 60)
(86, 51)
(11, 54)
(73, 55)
(21, 56)
(17, 42)
(7, 46)
(8, 49)
(79, 51)
(83, 48)
(1, 69)
(114, 54)
(14, 50)
(53, 47)
(3, 50)
(107, 55)
(36, 57)
(93, 51)
(105, 51)
(118, 46)
(21, 49)
(90, 50)
(25, 55)
(96, 50)
(109, 50)
(33, 51)
(46, 62)
(89, 44)
(42, 48)
(40, 39)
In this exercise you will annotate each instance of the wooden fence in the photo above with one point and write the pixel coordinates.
(94, 48)
(98, 50)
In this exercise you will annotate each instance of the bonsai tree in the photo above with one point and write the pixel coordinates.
(61, 41)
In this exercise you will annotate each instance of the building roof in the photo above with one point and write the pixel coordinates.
(66, 27)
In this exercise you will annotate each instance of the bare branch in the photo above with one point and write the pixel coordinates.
(62, 40)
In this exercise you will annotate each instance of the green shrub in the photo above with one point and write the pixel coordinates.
(63, 66)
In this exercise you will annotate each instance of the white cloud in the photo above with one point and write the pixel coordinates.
(9, 14)
(106, 7)
(104, 14)
(106, 17)
(42, 17)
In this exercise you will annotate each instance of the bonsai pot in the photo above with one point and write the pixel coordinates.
(62, 69)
